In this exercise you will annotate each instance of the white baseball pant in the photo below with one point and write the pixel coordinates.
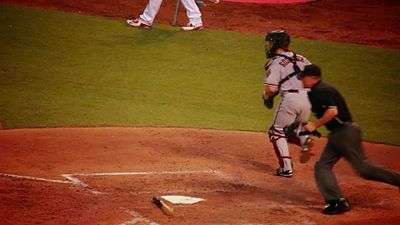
(192, 11)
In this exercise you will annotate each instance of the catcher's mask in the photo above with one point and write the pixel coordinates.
(278, 39)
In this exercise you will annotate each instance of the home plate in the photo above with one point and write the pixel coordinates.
(179, 199)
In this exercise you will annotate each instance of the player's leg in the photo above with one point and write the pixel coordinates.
(304, 113)
(194, 15)
(150, 12)
(283, 117)
(354, 153)
(146, 19)
(201, 4)
(281, 149)
(302, 107)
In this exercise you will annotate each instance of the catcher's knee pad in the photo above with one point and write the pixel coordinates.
(274, 134)
(281, 148)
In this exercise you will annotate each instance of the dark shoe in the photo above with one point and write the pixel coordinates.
(284, 173)
(335, 207)
(305, 156)
(200, 4)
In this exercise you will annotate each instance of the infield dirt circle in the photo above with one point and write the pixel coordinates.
(109, 175)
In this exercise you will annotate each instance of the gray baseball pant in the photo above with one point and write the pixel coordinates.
(347, 142)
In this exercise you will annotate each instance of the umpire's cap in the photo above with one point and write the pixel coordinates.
(310, 70)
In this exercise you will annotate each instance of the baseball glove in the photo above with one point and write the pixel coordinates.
(269, 101)
(291, 131)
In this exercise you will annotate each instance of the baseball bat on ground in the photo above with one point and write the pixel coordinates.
(166, 209)
(176, 13)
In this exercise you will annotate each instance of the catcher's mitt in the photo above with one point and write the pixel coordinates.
(291, 131)
(269, 101)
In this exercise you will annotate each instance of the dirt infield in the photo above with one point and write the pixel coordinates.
(370, 22)
(108, 176)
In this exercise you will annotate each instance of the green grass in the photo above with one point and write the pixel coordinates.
(59, 69)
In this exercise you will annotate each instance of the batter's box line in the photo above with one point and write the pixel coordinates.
(35, 178)
(72, 179)
(137, 219)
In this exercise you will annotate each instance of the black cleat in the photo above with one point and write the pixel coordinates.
(200, 4)
(284, 173)
(335, 207)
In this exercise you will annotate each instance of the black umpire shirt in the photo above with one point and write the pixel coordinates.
(323, 96)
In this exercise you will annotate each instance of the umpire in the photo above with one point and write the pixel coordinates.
(344, 140)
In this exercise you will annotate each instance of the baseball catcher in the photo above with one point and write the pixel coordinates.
(280, 79)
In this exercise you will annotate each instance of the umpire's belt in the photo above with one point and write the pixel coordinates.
(339, 126)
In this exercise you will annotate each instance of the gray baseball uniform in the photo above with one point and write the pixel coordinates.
(294, 104)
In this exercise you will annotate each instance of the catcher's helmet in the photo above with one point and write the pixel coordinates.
(279, 39)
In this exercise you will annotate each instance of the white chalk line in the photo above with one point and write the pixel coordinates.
(72, 177)
(73, 180)
(35, 178)
(137, 219)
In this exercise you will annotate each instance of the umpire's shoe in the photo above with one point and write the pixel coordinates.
(334, 207)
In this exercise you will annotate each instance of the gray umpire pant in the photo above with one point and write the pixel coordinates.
(346, 142)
